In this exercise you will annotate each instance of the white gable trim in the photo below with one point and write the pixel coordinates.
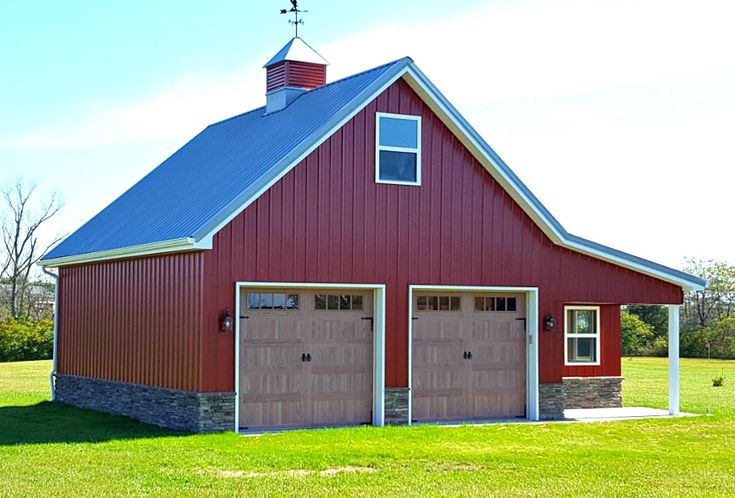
(433, 98)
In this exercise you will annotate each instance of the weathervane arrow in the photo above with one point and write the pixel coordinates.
(295, 11)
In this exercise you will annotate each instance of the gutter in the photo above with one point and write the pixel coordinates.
(52, 375)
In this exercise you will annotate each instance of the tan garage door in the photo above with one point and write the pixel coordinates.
(469, 359)
(306, 358)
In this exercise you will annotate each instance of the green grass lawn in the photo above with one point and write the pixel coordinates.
(46, 449)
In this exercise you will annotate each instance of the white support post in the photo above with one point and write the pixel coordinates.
(673, 360)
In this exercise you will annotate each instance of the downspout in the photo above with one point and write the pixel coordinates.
(52, 376)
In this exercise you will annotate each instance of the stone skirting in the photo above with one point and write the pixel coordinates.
(579, 392)
(170, 408)
(593, 392)
(551, 401)
(396, 405)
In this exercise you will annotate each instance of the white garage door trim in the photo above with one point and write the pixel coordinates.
(532, 411)
(378, 338)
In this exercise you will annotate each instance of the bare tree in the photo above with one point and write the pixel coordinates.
(715, 302)
(21, 221)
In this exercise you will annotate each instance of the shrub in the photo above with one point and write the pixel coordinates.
(716, 340)
(718, 381)
(26, 340)
(637, 335)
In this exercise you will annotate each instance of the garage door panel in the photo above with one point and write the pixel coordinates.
(469, 362)
(307, 366)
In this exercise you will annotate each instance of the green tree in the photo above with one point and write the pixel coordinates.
(638, 336)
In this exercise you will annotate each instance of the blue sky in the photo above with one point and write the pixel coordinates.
(620, 116)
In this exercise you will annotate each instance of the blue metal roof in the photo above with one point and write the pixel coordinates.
(194, 189)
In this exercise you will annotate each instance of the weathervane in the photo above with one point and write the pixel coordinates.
(296, 11)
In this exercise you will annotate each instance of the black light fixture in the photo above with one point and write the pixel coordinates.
(226, 321)
(549, 322)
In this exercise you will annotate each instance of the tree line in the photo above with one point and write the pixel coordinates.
(707, 318)
(26, 294)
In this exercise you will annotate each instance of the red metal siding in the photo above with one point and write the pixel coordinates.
(135, 320)
(295, 74)
(328, 221)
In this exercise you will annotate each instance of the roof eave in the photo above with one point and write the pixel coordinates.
(166, 246)
(527, 200)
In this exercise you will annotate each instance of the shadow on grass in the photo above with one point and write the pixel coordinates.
(49, 422)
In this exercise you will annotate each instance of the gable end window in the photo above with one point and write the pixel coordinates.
(397, 149)
(581, 335)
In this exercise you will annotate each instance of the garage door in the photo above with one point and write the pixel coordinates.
(469, 359)
(306, 358)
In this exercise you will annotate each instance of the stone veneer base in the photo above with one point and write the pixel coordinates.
(579, 392)
(170, 408)
(396, 405)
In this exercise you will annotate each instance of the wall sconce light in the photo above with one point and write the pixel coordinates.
(549, 322)
(226, 321)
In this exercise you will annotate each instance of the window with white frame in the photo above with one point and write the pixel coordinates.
(581, 335)
(398, 149)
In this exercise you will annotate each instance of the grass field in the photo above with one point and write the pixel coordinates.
(47, 449)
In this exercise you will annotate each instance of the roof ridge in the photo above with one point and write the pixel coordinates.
(341, 80)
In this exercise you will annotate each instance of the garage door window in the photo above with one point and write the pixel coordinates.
(272, 301)
(338, 302)
(438, 303)
(496, 304)
(582, 335)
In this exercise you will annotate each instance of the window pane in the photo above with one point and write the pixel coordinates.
(500, 304)
(455, 303)
(344, 302)
(398, 132)
(320, 302)
(479, 304)
(421, 303)
(279, 301)
(582, 322)
(266, 301)
(254, 301)
(510, 304)
(581, 349)
(356, 302)
(332, 302)
(397, 166)
(490, 305)
(293, 302)
(444, 303)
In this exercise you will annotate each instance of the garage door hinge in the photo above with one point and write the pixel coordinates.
(244, 317)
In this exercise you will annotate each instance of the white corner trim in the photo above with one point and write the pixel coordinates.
(411, 150)
(182, 244)
(379, 303)
(567, 335)
(532, 328)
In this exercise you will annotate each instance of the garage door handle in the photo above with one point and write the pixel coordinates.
(371, 321)
(303, 356)
(308, 356)
(467, 355)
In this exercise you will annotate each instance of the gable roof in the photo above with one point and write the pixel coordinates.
(186, 200)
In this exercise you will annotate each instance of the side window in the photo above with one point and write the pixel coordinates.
(582, 335)
(398, 149)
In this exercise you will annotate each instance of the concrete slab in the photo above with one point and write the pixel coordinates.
(624, 413)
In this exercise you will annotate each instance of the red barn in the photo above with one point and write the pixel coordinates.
(351, 253)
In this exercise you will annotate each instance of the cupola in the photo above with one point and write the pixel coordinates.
(295, 69)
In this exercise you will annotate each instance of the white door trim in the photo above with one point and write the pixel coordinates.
(532, 327)
(378, 337)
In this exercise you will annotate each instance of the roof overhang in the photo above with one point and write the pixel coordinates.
(166, 246)
(433, 98)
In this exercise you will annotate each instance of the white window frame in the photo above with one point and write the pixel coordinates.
(568, 335)
(379, 147)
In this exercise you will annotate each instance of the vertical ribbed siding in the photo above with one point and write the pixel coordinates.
(328, 221)
(135, 320)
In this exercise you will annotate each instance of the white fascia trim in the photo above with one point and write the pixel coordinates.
(175, 245)
(432, 98)
(532, 327)
(379, 303)
(567, 336)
